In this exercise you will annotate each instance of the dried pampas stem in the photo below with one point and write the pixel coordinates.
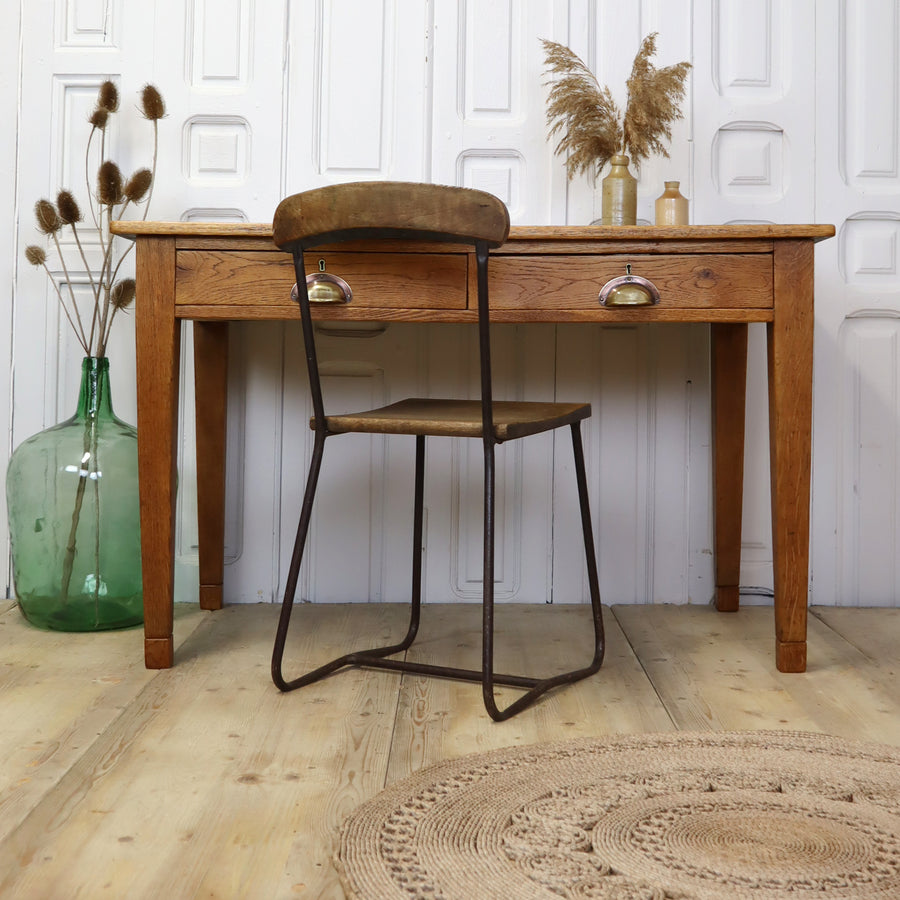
(592, 126)
(583, 111)
(654, 96)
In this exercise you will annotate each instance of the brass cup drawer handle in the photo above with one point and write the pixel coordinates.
(323, 287)
(629, 290)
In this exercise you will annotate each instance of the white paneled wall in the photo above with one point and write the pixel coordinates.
(755, 66)
(9, 101)
(792, 115)
(855, 536)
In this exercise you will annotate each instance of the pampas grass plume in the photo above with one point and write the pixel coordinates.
(593, 129)
(583, 111)
(653, 103)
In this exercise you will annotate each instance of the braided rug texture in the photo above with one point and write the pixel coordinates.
(711, 816)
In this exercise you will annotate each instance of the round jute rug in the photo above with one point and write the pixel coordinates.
(646, 817)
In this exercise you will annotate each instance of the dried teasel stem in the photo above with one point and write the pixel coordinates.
(108, 306)
(50, 223)
(108, 97)
(110, 193)
(123, 294)
(38, 257)
(102, 307)
(154, 109)
(47, 218)
(70, 214)
(109, 198)
(140, 183)
(110, 189)
(99, 119)
(107, 104)
(121, 297)
(110, 296)
(68, 209)
(137, 186)
(152, 104)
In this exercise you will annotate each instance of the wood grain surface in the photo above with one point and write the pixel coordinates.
(204, 781)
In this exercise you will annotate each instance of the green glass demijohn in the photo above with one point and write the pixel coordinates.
(72, 495)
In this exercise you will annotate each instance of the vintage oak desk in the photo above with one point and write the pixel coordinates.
(725, 275)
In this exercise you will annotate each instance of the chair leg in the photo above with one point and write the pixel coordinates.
(537, 686)
(290, 590)
(590, 553)
(364, 657)
(376, 657)
(487, 588)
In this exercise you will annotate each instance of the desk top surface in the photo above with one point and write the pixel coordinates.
(263, 230)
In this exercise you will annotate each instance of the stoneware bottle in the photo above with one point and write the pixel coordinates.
(671, 206)
(619, 199)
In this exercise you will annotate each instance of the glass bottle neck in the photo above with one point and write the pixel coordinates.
(94, 399)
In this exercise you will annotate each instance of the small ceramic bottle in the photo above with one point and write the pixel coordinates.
(619, 198)
(671, 206)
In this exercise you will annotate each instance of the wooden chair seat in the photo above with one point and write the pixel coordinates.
(458, 418)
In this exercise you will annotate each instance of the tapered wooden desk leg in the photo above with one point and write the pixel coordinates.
(790, 343)
(729, 390)
(210, 381)
(158, 338)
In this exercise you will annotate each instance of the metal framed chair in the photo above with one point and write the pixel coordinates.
(385, 211)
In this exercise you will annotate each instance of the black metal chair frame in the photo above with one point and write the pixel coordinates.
(378, 657)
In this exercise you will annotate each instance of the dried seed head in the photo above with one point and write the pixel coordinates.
(138, 185)
(108, 97)
(35, 255)
(69, 212)
(152, 103)
(654, 96)
(48, 220)
(122, 294)
(109, 183)
(592, 127)
(99, 118)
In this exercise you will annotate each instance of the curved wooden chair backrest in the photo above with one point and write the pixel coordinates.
(385, 209)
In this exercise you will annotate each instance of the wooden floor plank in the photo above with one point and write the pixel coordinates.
(442, 719)
(875, 632)
(716, 671)
(859, 690)
(213, 783)
(58, 692)
(205, 781)
(713, 670)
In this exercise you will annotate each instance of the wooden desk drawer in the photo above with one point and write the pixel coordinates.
(378, 280)
(690, 281)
